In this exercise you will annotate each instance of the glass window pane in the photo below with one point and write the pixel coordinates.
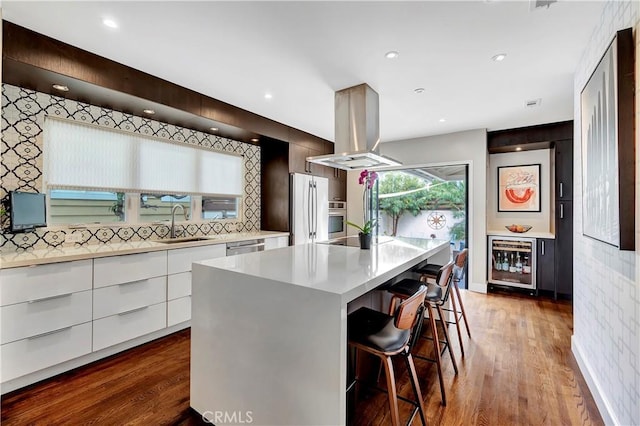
(157, 207)
(220, 207)
(70, 206)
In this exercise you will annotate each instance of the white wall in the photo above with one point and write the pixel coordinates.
(541, 221)
(606, 335)
(463, 147)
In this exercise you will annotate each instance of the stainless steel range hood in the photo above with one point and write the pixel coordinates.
(357, 132)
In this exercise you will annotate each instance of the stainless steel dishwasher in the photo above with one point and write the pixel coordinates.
(248, 246)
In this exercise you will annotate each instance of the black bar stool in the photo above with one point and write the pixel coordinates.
(385, 336)
(430, 271)
(436, 296)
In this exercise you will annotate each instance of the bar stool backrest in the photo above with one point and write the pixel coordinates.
(444, 278)
(461, 262)
(407, 313)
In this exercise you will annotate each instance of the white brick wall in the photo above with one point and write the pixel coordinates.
(606, 339)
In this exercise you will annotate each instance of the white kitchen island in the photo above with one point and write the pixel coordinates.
(269, 330)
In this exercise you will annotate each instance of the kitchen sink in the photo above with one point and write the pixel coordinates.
(181, 240)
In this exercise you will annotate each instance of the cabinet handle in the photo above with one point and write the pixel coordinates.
(542, 248)
(59, 296)
(133, 310)
(245, 246)
(561, 191)
(134, 282)
(49, 332)
(561, 211)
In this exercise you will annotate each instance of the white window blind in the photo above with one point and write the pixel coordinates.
(79, 156)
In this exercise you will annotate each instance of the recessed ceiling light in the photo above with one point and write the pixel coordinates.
(419, 90)
(110, 23)
(215, 129)
(442, 120)
(148, 111)
(255, 140)
(61, 87)
(391, 54)
(499, 57)
(518, 148)
(268, 96)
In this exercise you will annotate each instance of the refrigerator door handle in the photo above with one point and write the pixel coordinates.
(309, 206)
(315, 208)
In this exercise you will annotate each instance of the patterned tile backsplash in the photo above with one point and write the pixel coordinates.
(607, 280)
(23, 114)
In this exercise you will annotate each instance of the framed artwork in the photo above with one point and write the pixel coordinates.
(519, 188)
(608, 155)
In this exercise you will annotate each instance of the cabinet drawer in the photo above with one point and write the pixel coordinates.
(28, 319)
(19, 285)
(178, 310)
(35, 353)
(124, 297)
(180, 260)
(125, 326)
(127, 268)
(178, 285)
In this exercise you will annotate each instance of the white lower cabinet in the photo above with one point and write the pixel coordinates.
(180, 260)
(32, 283)
(125, 297)
(41, 351)
(178, 310)
(29, 319)
(128, 325)
(178, 285)
(127, 268)
(53, 313)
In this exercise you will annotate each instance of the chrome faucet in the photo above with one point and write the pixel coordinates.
(172, 231)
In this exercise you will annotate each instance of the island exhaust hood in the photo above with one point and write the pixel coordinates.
(357, 132)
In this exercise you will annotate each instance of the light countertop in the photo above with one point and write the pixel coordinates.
(529, 234)
(66, 254)
(345, 271)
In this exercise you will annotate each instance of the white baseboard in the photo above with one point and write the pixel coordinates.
(478, 287)
(605, 408)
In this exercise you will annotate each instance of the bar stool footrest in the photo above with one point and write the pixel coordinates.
(379, 389)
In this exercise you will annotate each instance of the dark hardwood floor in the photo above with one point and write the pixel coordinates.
(518, 370)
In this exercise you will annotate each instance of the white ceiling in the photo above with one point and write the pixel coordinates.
(302, 52)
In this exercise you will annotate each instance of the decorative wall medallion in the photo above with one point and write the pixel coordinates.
(436, 220)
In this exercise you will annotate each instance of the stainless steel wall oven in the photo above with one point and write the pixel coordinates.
(337, 219)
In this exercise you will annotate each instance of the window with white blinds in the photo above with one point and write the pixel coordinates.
(79, 156)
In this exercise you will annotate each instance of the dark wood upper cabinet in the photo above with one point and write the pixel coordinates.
(274, 188)
(35, 61)
(564, 170)
(528, 138)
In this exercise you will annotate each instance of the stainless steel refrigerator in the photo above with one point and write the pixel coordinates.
(309, 208)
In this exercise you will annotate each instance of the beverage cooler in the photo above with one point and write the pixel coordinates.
(512, 261)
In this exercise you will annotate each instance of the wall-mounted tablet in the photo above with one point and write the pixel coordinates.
(28, 211)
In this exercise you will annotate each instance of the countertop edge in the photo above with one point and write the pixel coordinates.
(506, 233)
(58, 255)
